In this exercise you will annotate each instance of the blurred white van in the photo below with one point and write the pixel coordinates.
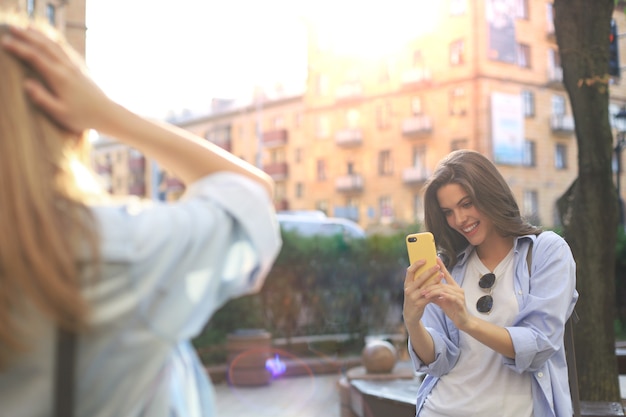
(306, 224)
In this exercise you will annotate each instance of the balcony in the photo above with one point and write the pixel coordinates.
(414, 175)
(562, 124)
(277, 170)
(349, 91)
(138, 189)
(555, 77)
(349, 137)
(174, 184)
(103, 169)
(225, 144)
(349, 183)
(275, 138)
(416, 76)
(417, 125)
(281, 204)
(137, 164)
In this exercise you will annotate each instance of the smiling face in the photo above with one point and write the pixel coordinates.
(463, 216)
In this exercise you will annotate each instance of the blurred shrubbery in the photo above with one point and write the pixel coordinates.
(329, 285)
(319, 286)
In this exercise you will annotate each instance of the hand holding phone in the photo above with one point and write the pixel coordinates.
(422, 246)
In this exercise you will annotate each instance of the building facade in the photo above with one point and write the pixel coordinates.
(366, 132)
(68, 16)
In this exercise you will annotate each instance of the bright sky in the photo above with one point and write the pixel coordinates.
(154, 56)
(157, 56)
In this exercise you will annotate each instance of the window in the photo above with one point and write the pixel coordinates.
(419, 157)
(529, 158)
(457, 144)
(240, 131)
(555, 72)
(528, 103)
(51, 14)
(350, 168)
(323, 127)
(560, 156)
(321, 170)
(530, 206)
(550, 18)
(278, 122)
(352, 118)
(385, 166)
(521, 9)
(280, 193)
(558, 105)
(321, 84)
(458, 101)
(322, 205)
(416, 106)
(383, 115)
(297, 120)
(299, 190)
(456, 52)
(418, 208)
(385, 207)
(352, 209)
(277, 156)
(30, 8)
(523, 55)
(297, 155)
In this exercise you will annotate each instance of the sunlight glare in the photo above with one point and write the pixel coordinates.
(366, 31)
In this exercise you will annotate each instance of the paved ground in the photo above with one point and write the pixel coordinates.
(303, 396)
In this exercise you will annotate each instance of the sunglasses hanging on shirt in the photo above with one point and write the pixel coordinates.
(485, 303)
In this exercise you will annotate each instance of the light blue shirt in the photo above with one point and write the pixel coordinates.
(166, 268)
(546, 298)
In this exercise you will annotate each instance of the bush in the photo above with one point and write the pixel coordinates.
(320, 285)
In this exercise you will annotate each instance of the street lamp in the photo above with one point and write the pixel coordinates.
(620, 125)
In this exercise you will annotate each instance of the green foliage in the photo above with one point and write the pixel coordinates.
(320, 285)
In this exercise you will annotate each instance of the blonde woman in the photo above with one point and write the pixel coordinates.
(135, 281)
(489, 332)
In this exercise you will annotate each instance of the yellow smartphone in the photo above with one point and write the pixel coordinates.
(422, 246)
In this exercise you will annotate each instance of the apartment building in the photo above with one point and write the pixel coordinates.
(367, 131)
(68, 16)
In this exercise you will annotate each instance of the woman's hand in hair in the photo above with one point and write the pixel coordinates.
(65, 92)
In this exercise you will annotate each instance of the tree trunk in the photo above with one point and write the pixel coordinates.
(591, 215)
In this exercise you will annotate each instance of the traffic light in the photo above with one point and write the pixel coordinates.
(614, 67)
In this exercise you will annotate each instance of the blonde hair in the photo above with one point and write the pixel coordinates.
(44, 217)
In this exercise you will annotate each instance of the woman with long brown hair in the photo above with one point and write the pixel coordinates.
(488, 330)
(133, 280)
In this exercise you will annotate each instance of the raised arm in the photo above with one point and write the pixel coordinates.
(75, 102)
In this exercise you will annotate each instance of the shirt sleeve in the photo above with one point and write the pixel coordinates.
(538, 329)
(446, 350)
(189, 257)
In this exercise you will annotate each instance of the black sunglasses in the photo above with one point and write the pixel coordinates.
(485, 303)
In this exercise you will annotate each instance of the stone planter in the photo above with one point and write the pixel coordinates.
(248, 350)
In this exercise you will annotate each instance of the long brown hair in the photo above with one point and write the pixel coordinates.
(44, 217)
(489, 192)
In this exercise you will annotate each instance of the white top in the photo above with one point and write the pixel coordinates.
(479, 385)
(166, 269)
